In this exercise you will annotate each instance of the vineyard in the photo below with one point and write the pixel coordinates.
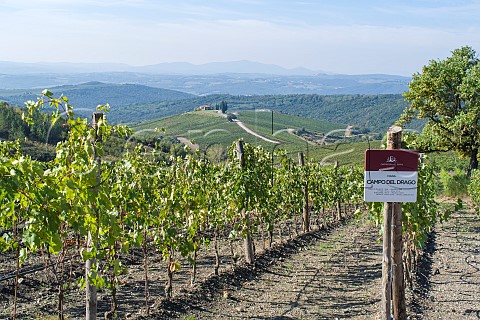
(87, 222)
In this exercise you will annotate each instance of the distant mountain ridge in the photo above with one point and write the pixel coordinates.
(235, 77)
(242, 66)
(234, 83)
(172, 68)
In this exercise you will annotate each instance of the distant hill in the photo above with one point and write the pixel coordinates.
(370, 112)
(242, 66)
(212, 133)
(209, 127)
(230, 77)
(132, 103)
(224, 83)
(89, 95)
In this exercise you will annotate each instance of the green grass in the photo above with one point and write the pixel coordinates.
(343, 153)
(201, 127)
(263, 122)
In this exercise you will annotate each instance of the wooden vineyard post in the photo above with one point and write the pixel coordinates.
(338, 204)
(398, 292)
(247, 242)
(394, 141)
(91, 290)
(392, 266)
(391, 176)
(387, 261)
(306, 213)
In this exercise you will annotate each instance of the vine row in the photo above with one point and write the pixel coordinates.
(81, 204)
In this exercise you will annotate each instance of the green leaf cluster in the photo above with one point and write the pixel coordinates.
(446, 95)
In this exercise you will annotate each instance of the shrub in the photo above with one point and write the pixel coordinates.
(454, 183)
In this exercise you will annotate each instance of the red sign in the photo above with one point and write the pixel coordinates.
(391, 160)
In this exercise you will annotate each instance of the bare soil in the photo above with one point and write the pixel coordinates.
(332, 273)
(448, 283)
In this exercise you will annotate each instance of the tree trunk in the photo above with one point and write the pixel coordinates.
(339, 211)
(473, 162)
(60, 281)
(114, 304)
(17, 266)
(233, 255)
(170, 269)
(145, 270)
(262, 234)
(60, 302)
(295, 224)
(194, 268)
(249, 250)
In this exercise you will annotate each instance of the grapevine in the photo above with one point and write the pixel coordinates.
(474, 188)
(81, 207)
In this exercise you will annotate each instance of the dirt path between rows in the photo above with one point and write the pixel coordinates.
(334, 276)
(188, 143)
(450, 285)
(337, 275)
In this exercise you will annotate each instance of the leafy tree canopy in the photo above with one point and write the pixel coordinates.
(447, 95)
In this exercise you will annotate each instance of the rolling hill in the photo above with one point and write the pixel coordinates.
(369, 112)
(132, 103)
(89, 95)
(224, 83)
(210, 130)
(207, 127)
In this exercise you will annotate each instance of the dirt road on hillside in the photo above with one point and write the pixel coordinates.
(248, 130)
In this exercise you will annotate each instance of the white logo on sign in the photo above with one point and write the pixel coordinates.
(391, 159)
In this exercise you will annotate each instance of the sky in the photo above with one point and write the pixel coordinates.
(338, 36)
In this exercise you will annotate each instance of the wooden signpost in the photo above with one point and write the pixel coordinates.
(391, 176)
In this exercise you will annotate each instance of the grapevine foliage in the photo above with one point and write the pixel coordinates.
(79, 204)
(474, 189)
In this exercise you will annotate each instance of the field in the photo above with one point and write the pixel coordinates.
(208, 128)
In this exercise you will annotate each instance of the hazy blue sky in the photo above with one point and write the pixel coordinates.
(344, 36)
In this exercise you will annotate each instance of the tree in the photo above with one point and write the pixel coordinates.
(447, 95)
(223, 106)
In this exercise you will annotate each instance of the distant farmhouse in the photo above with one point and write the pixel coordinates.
(206, 107)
